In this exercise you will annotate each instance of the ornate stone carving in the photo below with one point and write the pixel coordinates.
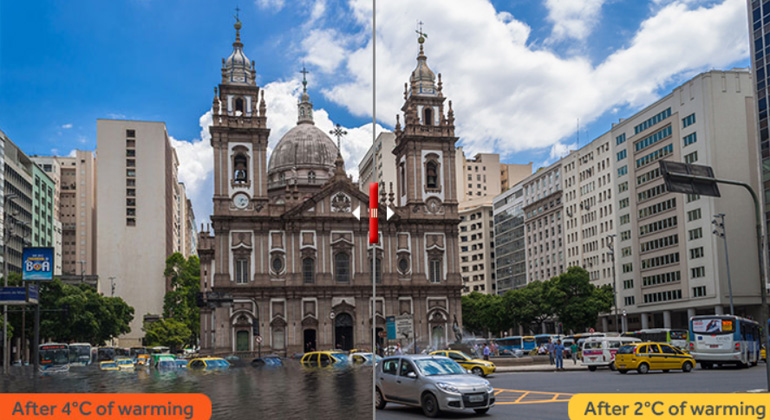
(341, 203)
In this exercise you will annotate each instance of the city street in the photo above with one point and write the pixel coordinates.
(545, 395)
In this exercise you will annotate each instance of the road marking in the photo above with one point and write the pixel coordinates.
(518, 396)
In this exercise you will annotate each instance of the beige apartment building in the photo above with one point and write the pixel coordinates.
(382, 152)
(670, 265)
(75, 207)
(137, 197)
(543, 211)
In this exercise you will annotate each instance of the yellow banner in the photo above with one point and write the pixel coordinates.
(669, 406)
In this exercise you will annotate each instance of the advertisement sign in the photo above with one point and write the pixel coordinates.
(404, 326)
(18, 295)
(390, 326)
(709, 325)
(37, 264)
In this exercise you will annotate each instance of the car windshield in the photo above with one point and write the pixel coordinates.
(124, 362)
(432, 367)
(341, 357)
(626, 350)
(109, 365)
(217, 363)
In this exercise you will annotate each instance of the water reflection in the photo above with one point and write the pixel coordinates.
(290, 392)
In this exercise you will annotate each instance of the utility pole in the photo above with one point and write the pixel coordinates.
(611, 247)
(720, 230)
(7, 232)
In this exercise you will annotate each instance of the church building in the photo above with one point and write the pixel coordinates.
(285, 263)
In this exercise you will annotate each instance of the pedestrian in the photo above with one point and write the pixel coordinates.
(550, 350)
(558, 350)
(493, 349)
(486, 352)
(398, 349)
(475, 349)
(574, 350)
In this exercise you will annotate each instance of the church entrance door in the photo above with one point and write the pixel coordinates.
(310, 344)
(343, 331)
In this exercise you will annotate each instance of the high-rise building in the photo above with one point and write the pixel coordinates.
(510, 240)
(51, 167)
(42, 208)
(759, 36)
(477, 246)
(136, 201)
(382, 152)
(670, 266)
(543, 205)
(485, 176)
(18, 191)
(77, 212)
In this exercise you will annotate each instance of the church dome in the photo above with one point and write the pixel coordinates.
(423, 79)
(237, 68)
(304, 147)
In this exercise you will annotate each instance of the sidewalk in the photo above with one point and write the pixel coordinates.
(568, 367)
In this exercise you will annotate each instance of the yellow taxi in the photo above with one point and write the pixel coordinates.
(315, 359)
(124, 363)
(476, 366)
(208, 363)
(652, 356)
(108, 365)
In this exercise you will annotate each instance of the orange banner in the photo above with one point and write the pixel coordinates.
(105, 406)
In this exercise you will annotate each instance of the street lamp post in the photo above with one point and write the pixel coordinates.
(7, 232)
(720, 230)
(625, 321)
(611, 252)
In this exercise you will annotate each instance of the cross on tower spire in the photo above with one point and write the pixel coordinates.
(304, 72)
(338, 132)
(419, 31)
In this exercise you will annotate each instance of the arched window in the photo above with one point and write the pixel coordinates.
(308, 270)
(431, 175)
(239, 105)
(311, 177)
(342, 267)
(240, 169)
(428, 116)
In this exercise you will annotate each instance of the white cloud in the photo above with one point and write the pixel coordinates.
(272, 5)
(573, 18)
(73, 153)
(196, 169)
(324, 48)
(509, 97)
(66, 126)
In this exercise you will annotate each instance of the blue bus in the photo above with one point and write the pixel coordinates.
(528, 343)
(724, 339)
(508, 345)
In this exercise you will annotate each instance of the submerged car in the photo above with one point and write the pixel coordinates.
(315, 359)
(269, 361)
(208, 363)
(108, 365)
(363, 358)
(431, 382)
(475, 366)
(124, 363)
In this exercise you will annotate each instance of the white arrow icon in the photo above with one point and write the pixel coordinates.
(390, 212)
(357, 213)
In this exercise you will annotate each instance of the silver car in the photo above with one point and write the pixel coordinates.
(434, 383)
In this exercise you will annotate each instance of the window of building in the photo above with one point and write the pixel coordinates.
(428, 116)
(699, 291)
(308, 270)
(242, 270)
(342, 267)
(697, 272)
(131, 133)
(431, 175)
(691, 158)
(311, 177)
(628, 300)
(434, 270)
(688, 120)
(690, 139)
(130, 152)
(628, 284)
(695, 233)
(693, 215)
(131, 172)
(240, 168)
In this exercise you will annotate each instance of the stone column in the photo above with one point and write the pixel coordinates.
(666, 319)
(605, 326)
(645, 321)
(690, 314)
(719, 310)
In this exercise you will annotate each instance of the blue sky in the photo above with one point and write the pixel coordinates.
(520, 73)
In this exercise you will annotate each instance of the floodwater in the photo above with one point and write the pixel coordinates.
(289, 392)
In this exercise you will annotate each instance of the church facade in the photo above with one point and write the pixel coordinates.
(287, 266)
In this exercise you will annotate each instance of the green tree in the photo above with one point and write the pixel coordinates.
(529, 306)
(180, 301)
(168, 332)
(484, 313)
(576, 302)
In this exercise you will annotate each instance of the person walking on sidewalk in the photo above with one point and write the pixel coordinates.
(485, 351)
(558, 355)
(550, 350)
(573, 352)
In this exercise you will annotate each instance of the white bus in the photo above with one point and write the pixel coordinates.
(80, 354)
(54, 357)
(600, 351)
(724, 339)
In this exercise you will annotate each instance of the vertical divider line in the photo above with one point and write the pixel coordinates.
(374, 172)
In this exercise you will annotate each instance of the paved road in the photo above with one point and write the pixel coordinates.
(545, 395)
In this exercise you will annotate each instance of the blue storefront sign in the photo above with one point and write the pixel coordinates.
(37, 264)
(18, 295)
(390, 324)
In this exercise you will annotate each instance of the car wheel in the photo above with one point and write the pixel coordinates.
(612, 366)
(477, 371)
(481, 411)
(623, 371)
(687, 367)
(643, 368)
(379, 402)
(430, 405)
(592, 368)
